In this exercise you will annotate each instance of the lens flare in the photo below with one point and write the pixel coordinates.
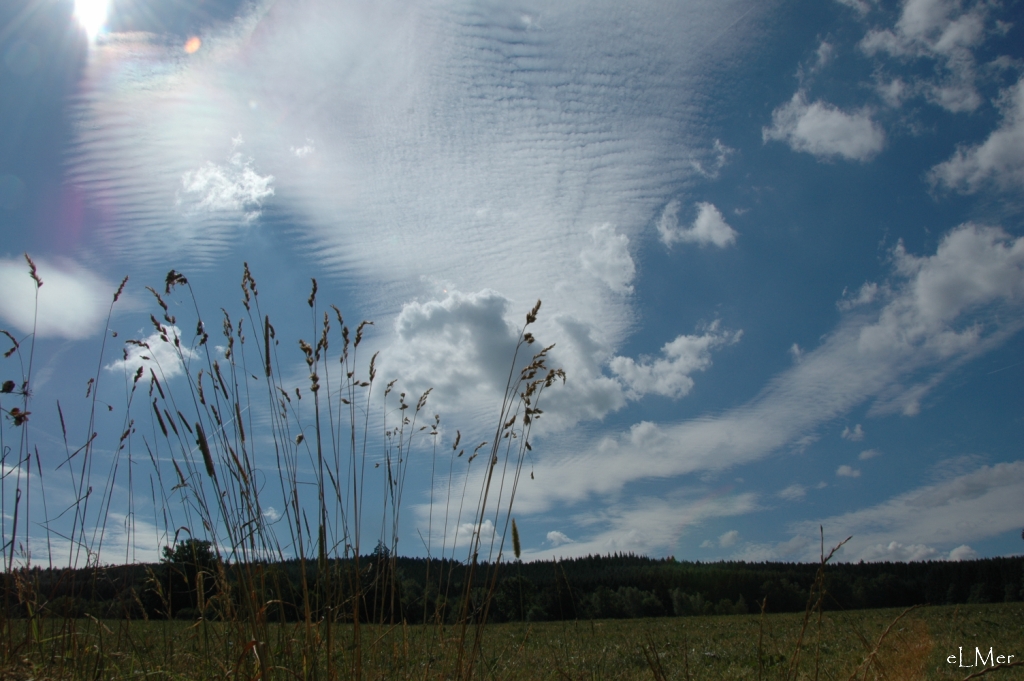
(91, 15)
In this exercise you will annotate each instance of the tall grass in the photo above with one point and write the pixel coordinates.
(218, 435)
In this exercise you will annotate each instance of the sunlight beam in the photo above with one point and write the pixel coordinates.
(91, 16)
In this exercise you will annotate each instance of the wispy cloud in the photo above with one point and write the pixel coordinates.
(649, 525)
(942, 310)
(854, 435)
(430, 162)
(793, 492)
(927, 521)
(73, 301)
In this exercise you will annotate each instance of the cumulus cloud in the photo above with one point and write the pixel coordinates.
(234, 187)
(607, 258)
(556, 539)
(729, 539)
(963, 552)
(709, 227)
(823, 130)
(669, 375)
(869, 454)
(460, 346)
(946, 31)
(999, 160)
(845, 471)
(855, 435)
(73, 301)
(465, 535)
(156, 352)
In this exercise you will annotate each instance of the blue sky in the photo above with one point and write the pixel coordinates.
(779, 245)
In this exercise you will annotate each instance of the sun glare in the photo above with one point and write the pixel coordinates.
(91, 15)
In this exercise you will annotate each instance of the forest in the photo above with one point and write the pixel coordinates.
(192, 582)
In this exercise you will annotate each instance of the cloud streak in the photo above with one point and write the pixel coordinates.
(73, 301)
(941, 310)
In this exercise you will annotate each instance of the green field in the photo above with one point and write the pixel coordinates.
(845, 646)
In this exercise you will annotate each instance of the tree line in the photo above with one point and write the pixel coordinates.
(192, 581)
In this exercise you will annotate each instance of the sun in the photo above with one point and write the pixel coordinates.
(91, 15)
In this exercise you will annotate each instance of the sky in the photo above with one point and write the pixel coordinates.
(779, 246)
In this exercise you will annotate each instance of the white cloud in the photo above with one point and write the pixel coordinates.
(669, 375)
(720, 153)
(946, 31)
(896, 552)
(862, 6)
(303, 151)
(866, 294)
(162, 356)
(648, 525)
(998, 160)
(939, 311)
(845, 471)
(467, 533)
(916, 525)
(963, 552)
(824, 131)
(233, 187)
(460, 346)
(894, 92)
(709, 227)
(855, 435)
(869, 454)
(432, 160)
(824, 54)
(556, 539)
(729, 539)
(793, 492)
(607, 258)
(73, 301)
(796, 352)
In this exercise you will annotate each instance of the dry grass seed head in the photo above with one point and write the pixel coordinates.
(120, 289)
(173, 279)
(32, 271)
(13, 340)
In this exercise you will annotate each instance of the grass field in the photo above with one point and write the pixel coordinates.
(916, 646)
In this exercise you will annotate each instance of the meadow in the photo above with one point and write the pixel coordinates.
(864, 644)
(247, 465)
